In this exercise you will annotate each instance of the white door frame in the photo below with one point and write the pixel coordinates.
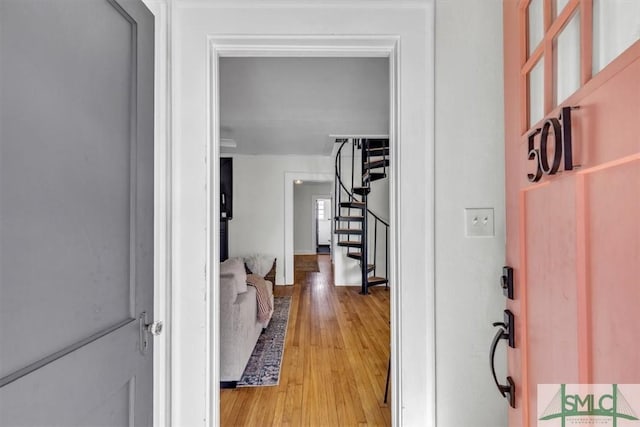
(314, 219)
(301, 46)
(197, 24)
(289, 179)
(162, 215)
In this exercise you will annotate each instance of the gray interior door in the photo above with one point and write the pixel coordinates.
(76, 212)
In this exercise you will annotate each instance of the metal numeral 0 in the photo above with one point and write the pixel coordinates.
(563, 146)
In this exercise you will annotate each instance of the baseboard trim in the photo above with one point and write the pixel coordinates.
(305, 252)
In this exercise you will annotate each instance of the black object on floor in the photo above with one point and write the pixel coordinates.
(228, 384)
(323, 249)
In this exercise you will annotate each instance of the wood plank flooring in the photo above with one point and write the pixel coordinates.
(335, 361)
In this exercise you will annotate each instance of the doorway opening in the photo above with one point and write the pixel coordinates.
(322, 222)
(322, 169)
(311, 219)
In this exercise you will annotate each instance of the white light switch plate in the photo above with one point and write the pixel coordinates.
(479, 222)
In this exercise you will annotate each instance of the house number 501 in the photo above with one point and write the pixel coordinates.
(562, 148)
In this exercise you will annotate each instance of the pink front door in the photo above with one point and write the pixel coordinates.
(573, 235)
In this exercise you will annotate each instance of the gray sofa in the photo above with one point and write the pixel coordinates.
(239, 325)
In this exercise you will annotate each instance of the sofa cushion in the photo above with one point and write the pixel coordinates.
(235, 267)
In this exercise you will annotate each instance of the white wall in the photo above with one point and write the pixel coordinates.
(258, 203)
(303, 214)
(469, 173)
(412, 185)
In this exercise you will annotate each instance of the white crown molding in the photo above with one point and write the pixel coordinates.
(333, 137)
(374, 45)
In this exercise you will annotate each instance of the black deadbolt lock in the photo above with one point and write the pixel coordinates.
(506, 282)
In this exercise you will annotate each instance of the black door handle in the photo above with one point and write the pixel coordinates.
(506, 332)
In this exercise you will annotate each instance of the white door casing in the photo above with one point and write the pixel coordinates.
(246, 29)
(301, 47)
(161, 10)
(289, 179)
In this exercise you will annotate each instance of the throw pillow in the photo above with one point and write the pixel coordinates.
(259, 264)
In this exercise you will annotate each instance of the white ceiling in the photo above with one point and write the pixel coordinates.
(292, 105)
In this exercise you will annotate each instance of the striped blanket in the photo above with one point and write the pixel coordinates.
(265, 307)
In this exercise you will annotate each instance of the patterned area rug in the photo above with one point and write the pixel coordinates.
(306, 263)
(263, 368)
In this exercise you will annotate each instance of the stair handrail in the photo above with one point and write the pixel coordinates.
(338, 174)
(378, 218)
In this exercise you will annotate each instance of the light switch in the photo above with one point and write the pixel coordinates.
(479, 222)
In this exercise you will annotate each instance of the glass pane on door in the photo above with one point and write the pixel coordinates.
(616, 26)
(558, 5)
(535, 20)
(566, 51)
(536, 93)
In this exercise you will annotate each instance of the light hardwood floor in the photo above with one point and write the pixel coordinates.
(335, 360)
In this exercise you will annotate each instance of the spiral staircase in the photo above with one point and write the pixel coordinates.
(358, 229)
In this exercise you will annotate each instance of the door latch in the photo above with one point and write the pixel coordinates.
(153, 328)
